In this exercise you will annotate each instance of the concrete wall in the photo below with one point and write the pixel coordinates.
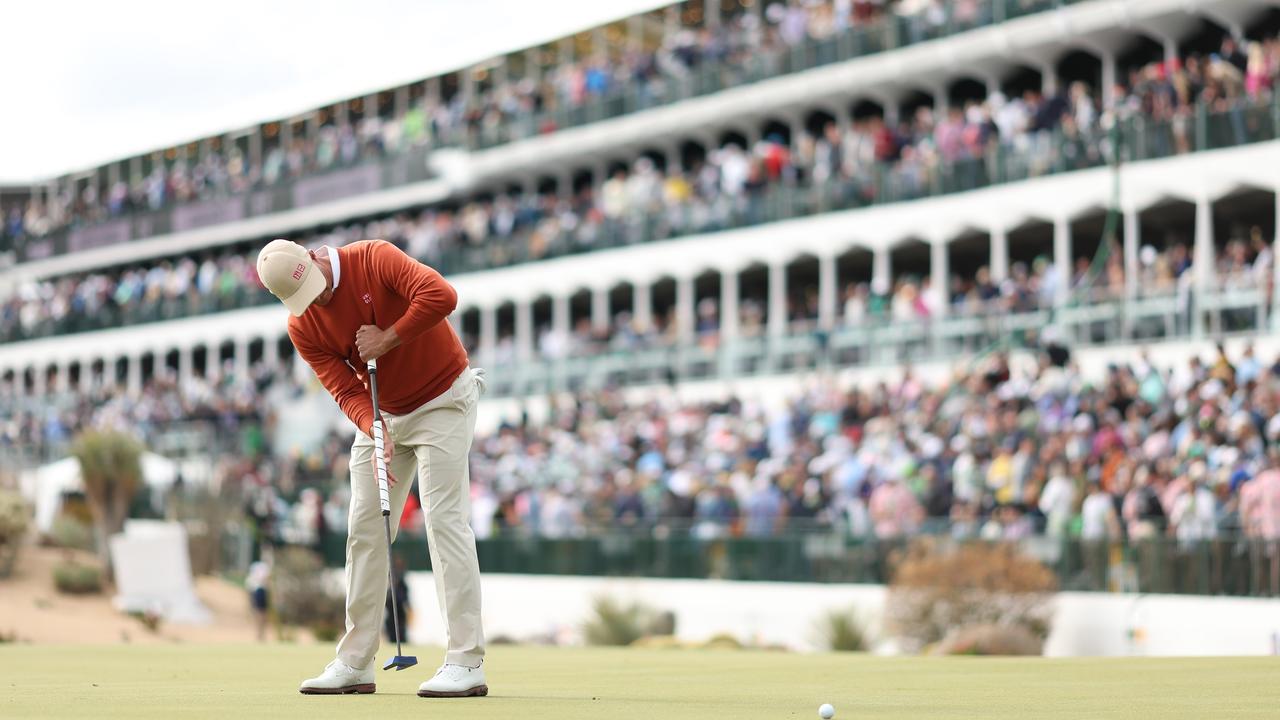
(527, 607)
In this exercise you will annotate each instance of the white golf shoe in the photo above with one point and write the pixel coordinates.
(452, 681)
(339, 678)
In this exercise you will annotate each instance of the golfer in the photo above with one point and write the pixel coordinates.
(367, 301)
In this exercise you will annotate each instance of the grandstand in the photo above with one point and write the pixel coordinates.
(752, 270)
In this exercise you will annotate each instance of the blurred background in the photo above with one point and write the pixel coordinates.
(787, 305)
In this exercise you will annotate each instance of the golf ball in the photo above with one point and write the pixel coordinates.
(826, 712)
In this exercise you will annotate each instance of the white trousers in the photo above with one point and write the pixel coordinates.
(434, 440)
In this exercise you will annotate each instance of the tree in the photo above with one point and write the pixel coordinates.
(111, 468)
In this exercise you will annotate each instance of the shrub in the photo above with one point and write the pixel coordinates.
(150, 619)
(301, 596)
(14, 519)
(74, 578)
(71, 533)
(841, 630)
(939, 587)
(990, 640)
(614, 623)
(111, 469)
(325, 631)
(722, 641)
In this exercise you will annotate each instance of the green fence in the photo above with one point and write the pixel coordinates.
(1232, 565)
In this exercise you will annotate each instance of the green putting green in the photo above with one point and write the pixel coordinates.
(527, 683)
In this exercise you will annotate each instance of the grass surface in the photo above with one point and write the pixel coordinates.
(250, 681)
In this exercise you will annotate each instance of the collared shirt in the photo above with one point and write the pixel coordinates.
(334, 265)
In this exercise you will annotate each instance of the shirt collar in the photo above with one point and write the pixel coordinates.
(334, 265)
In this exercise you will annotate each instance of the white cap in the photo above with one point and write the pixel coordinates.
(288, 271)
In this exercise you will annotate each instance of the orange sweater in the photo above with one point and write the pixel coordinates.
(380, 285)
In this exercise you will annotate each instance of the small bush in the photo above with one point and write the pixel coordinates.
(150, 619)
(990, 640)
(15, 517)
(75, 578)
(300, 595)
(840, 630)
(71, 533)
(614, 623)
(325, 631)
(722, 641)
(939, 587)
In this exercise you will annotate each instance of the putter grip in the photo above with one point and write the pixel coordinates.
(379, 441)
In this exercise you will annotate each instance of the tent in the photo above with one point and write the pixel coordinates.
(45, 485)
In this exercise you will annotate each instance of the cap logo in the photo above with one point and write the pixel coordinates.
(297, 274)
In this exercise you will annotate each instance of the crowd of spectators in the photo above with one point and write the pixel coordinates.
(832, 166)
(998, 450)
(994, 452)
(512, 109)
(866, 159)
(217, 282)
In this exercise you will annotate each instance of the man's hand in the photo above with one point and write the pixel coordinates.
(373, 342)
(388, 449)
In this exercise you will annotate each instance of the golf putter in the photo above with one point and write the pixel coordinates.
(400, 661)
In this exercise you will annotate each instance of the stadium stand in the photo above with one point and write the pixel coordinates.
(682, 197)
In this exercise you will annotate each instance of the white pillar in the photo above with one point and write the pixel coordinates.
(729, 294)
(1108, 79)
(63, 383)
(1202, 261)
(133, 381)
(86, 379)
(39, 380)
(524, 330)
(999, 253)
(560, 315)
(488, 334)
(685, 319)
(1170, 50)
(1062, 259)
(241, 363)
(777, 299)
(940, 102)
(881, 272)
(1275, 266)
(271, 358)
(186, 364)
(1132, 230)
(798, 130)
(891, 112)
(827, 292)
(642, 305)
(1048, 79)
(1202, 256)
(600, 320)
(940, 274)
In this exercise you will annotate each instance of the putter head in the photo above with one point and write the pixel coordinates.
(400, 662)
